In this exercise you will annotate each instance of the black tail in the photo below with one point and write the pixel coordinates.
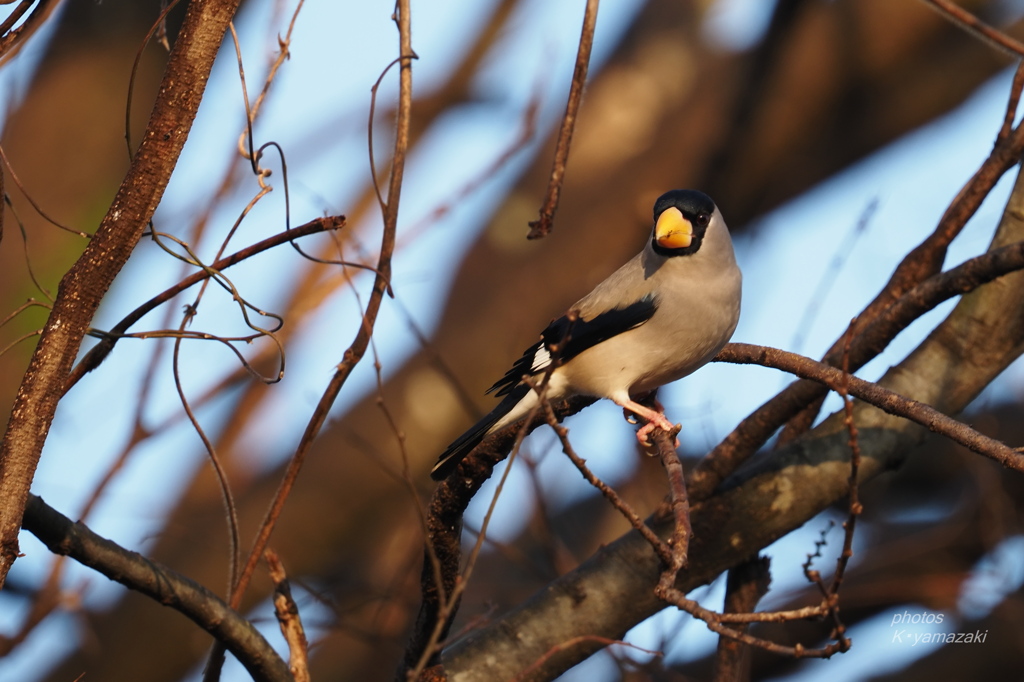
(465, 443)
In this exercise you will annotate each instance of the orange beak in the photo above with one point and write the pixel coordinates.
(673, 231)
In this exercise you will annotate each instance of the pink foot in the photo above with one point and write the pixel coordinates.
(644, 431)
(655, 420)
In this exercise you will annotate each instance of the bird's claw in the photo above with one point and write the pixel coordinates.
(644, 432)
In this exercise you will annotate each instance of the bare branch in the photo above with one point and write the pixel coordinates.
(87, 281)
(541, 227)
(866, 344)
(12, 40)
(891, 402)
(160, 583)
(359, 345)
(288, 618)
(98, 353)
(975, 26)
(922, 262)
(613, 590)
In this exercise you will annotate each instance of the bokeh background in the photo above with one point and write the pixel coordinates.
(832, 134)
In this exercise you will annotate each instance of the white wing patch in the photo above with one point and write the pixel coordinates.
(541, 360)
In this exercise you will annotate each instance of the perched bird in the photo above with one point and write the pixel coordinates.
(659, 317)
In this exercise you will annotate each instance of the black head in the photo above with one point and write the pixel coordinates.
(681, 218)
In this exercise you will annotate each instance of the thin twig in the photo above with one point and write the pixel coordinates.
(680, 540)
(288, 618)
(976, 27)
(830, 275)
(359, 345)
(541, 227)
(855, 507)
(98, 353)
(715, 623)
(36, 207)
(869, 392)
(663, 550)
(230, 509)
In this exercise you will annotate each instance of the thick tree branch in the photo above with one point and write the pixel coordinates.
(926, 259)
(869, 339)
(160, 583)
(84, 285)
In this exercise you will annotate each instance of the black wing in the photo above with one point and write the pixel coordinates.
(583, 334)
(465, 443)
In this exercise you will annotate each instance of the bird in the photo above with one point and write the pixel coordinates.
(658, 318)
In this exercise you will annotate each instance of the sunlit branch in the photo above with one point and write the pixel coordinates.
(161, 584)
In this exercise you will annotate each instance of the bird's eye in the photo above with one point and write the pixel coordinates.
(703, 218)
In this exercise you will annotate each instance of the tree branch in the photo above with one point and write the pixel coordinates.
(84, 285)
(357, 349)
(98, 353)
(871, 339)
(890, 401)
(160, 583)
(542, 226)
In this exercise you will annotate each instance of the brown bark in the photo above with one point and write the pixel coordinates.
(84, 285)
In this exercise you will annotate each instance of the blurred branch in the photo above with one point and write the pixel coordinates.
(541, 227)
(744, 588)
(442, 584)
(754, 87)
(87, 281)
(673, 555)
(966, 275)
(304, 295)
(161, 584)
(363, 499)
(12, 39)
